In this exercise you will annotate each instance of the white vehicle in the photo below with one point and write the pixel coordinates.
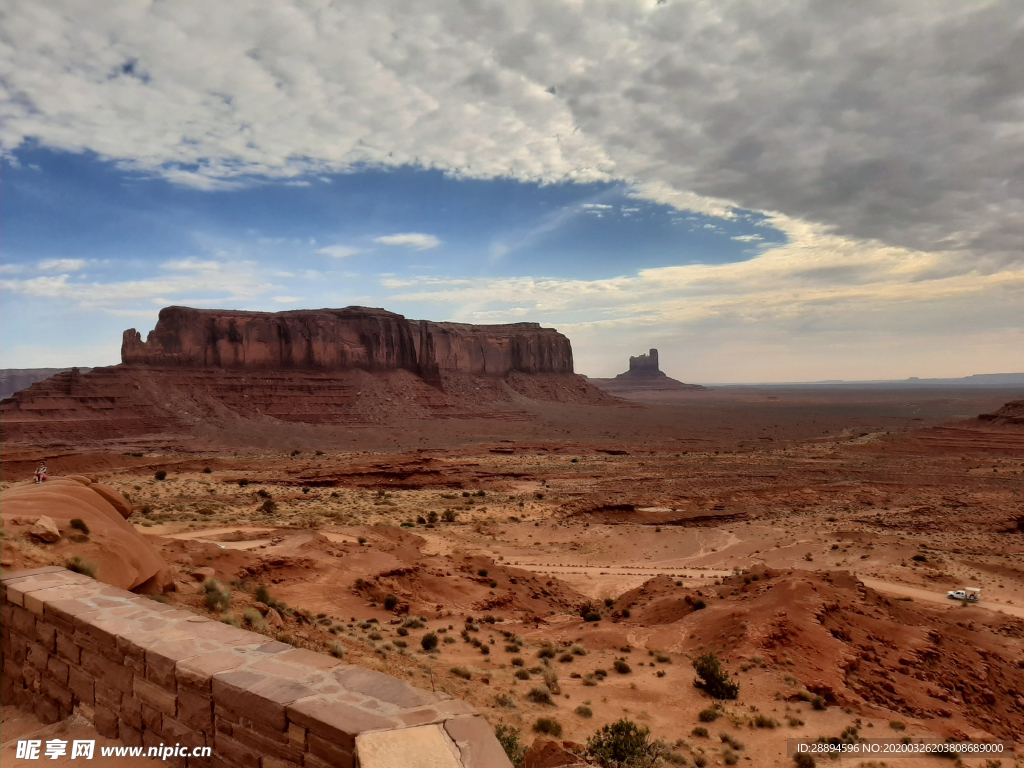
(970, 594)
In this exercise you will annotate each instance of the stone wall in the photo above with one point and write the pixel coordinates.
(148, 674)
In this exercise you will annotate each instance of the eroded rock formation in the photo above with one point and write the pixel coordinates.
(343, 339)
(644, 374)
(202, 370)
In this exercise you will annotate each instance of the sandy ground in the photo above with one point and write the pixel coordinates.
(812, 562)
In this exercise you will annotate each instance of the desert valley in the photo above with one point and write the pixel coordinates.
(453, 506)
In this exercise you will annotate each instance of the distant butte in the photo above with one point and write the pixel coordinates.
(643, 375)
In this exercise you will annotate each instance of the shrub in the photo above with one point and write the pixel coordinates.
(729, 757)
(390, 602)
(592, 616)
(662, 659)
(548, 726)
(521, 674)
(252, 617)
(621, 667)
(713, 679)
(462, 672)
(482, 572)
(919, 559)
(79, 525)
(218, 597)
(584, 711)
(77, 564)
(620, 743)
(517, 661)
(413, 623)
(242, 483)
(160, 475)
(504, 700)
(815, 701)
(578, 650)
(263, 596)
(700, 731)
(227, 618)
(804, 761)
(731, 740)
(625, 613)
(551, 681)
(565, 658)
(699, 604)
(429, 641)
(700, 761)
(708, 715)
(547, 652)
(539, 695)
(508, 737)
(375, 636)
(207, 471)
(897, 725)
(763, 721)
(268, 507)
(403, 632)
(449, 516)
(361, 539)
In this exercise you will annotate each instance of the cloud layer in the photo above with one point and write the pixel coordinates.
(885, 139)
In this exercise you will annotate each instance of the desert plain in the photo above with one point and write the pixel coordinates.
(572, 560)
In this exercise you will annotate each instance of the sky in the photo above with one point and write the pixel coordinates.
(762, 190)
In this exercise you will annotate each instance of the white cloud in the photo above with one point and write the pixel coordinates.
(338, 251)
(415, 240)
(61, 265)
(597, 206)
(748, 238)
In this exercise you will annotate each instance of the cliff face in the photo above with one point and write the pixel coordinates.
(343, 339)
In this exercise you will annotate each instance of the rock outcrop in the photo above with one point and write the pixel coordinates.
(644, 375)
(343, 339)
(44, 511)
(16, 379)
(211, 371)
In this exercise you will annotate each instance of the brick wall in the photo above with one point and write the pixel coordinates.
(148, 674)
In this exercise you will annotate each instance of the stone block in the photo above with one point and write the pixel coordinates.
(16, 576)
(273, 762)
(266, 743)
(58, 694)
(257, 698)
(81, 685)
(421, 747)
(46, 635)
(476, 742)
(67, 649)
(195, 710)
(37, 656)
(296, 735)
(334, 721)
(131, 712)
(107, 695)
(383, 687)
(176, 732)
(128, 734)
(104, 669)
(152, 718)
(23, 622)
(106, 722)
(234, 753)
(155, 696)
(57, 670)
(199, 670)
(331, 753)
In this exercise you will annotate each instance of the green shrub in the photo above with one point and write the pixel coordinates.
(547, 652)
(79, 525)
(763, 721)
(620, 743)
(539, 695)
(700, 732)
(700, 761)
(584, 711)
(462, 672)
(621, 667)
(390, 602)
(161, 475)
(578, 650)
(77, 564)
(548, 726)
(730, 740)
(505, 701)
(252, 617)
(517, 661)
(429, 641)
(713, 679)
(337, 650)
(263, 595)
(228, 618)
(708, 715)
(508, 737)
(449, 516)
(729, 757)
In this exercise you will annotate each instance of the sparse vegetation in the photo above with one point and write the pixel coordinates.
(584, 711)
(80, 565)
(217, 596)
(713, 679)
(161, 475)
(549, 726)
(540, 695)
(622, 743)
(79, 525)
(429, 642)
(508, 737)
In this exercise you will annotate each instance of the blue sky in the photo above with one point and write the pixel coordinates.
(763, 191)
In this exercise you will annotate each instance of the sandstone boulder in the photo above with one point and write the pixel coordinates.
(123, 556)
(550, 754)
(45, 530)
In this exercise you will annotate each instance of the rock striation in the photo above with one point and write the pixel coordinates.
(644, 375)
(343, 339)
